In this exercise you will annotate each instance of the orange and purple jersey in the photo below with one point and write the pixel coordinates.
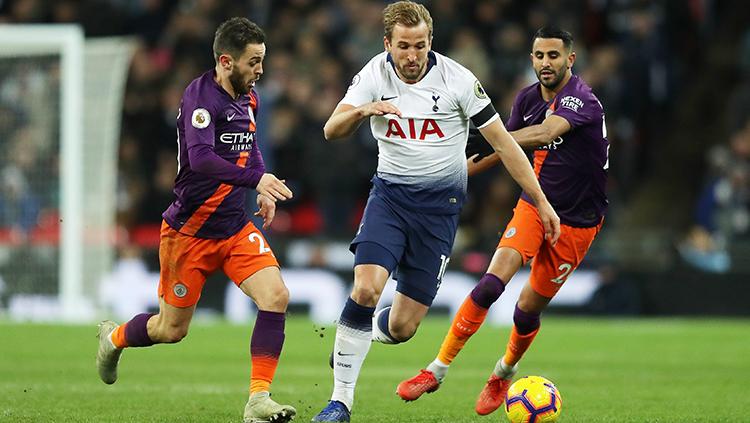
(218, 159)
(572, 171)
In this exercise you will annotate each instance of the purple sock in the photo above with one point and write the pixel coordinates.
(268, 334)
(525, 322)
(136, 334)
(488, 290)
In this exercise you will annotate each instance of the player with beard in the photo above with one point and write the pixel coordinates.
(562, 121)
(419, 104)
(207, 227)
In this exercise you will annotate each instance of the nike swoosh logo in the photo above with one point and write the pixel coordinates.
(384, 98)
(230, 117)
(344, 355)
(525, 118)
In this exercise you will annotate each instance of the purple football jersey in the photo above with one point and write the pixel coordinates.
(218, 159)
(572, 171)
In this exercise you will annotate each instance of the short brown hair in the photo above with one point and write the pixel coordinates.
(233, 36)
(406, 13)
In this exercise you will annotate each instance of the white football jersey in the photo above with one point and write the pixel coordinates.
(425, 146)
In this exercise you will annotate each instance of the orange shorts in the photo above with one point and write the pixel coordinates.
(552, 265)
(186, 261)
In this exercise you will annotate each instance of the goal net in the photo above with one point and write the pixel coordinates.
(60, 109)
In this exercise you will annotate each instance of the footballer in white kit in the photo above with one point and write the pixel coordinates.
(420, 184)
(419, 104)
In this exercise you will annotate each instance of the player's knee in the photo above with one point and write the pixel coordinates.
(279, 297)
(402, 331)
(274, 298)
(173, 334)
(365, 295)
(526, 322)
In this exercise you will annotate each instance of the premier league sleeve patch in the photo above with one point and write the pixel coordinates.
(479, 91)
(201, 118)
(354, 82)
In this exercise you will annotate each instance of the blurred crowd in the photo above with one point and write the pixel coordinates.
(633, 53)
(722, 209)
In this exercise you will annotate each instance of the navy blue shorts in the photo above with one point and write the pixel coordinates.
(417, 245)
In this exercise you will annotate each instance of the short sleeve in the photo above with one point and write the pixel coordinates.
(515, 121)
(473, 100)
(362, 89)
(198, 118)
(578, 110)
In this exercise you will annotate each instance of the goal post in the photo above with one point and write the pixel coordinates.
(84, 81)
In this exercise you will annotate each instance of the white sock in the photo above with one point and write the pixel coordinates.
(379, 335)
(503, 370)
(439, 369)
(349, 352)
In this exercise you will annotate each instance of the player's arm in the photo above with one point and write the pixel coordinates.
(529, 137)
(205, 161)
(199, 140)
(514, 159)
(346, 118)
(542, 134)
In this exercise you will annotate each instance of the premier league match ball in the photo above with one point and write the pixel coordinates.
(533, 399)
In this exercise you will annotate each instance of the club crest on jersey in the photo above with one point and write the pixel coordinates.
(201, 118)
(435, 98)
(510, 232)
(355, 81)
(180, 290)
(478, 90)
(418, 129)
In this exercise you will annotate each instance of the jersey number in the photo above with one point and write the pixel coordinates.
(604, 135)
(443, 264)
(262, 249)
(565, 268)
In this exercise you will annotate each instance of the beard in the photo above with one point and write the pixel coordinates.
(558, 76)
(238, 83)
(411, 75)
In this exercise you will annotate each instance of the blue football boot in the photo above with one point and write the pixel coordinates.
(335, 411)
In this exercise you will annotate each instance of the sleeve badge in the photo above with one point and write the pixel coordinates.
(201, 118)
(479, 91)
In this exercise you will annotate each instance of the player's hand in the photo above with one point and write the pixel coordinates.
(379, 108)
(477, 147)
(273, 188)
(266, 210)
(550, 220)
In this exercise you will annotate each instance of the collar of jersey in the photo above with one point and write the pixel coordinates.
(431, 61)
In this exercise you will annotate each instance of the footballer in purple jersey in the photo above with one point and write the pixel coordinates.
(572, 169)
(207, 228)
(563, 122)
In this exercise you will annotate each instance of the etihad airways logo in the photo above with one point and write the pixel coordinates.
(240, 141)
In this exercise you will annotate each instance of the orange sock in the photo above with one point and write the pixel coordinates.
(265, 349)
(118, 336)
(517, 346)
(262, 373)
(467, 321)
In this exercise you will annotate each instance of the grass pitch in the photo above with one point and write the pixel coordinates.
(642, 370)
